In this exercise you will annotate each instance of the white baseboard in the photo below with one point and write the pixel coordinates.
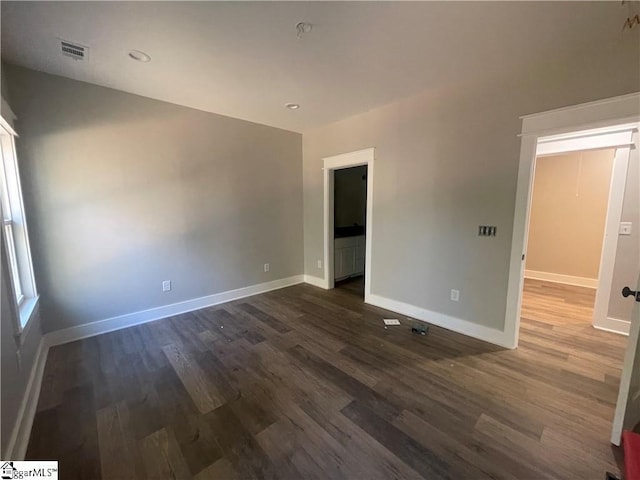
(560, 278)
(614, 325)
(315, 281)
(71, 334)
(19, 440)
(491, 335)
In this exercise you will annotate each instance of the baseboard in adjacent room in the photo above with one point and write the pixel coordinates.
(71, 334)
(17, 447)
(481, 332)
(614, 325)
(560, 278)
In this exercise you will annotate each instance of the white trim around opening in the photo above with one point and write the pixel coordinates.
(603, 114)
(610, 241)
(330, 164)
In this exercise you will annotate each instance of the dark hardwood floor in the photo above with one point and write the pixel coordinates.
(353, 285)
(306, 383)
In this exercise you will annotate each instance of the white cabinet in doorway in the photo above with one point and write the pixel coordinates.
(349, 255)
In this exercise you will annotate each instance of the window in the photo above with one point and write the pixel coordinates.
(14, 226)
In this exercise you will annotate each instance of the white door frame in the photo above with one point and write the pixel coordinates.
(337, 162)
(610, 242)
(593, 115)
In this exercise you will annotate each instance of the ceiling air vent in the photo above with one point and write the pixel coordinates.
(74, 50)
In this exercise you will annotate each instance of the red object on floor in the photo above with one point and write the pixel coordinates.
(631, 447)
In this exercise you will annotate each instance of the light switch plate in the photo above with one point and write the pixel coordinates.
(487, 230)
(625, 228)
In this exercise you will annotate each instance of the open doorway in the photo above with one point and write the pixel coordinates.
(607, 123)
(349, 228)
(604, 124)
(567, 218)
(576, 195)
(348, 213)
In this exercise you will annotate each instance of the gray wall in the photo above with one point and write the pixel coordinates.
(446, 162)
(4, 87)
(625, 272)
(14, 377)
(350, 196)
(123, 192)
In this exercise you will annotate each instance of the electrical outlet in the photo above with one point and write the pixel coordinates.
(266, 267)
(455, 295)
(319, 263)
(166, 285)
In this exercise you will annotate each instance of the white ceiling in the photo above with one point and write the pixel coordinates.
(242, 59)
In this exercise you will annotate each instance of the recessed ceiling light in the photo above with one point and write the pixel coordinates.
(139, 56)
(292, 106)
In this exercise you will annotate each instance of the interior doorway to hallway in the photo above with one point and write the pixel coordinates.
(576, 196)
(570, 200)
(349, 228)
(348, 213)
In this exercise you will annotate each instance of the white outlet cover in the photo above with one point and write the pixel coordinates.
(319, 263)
(455, 295)
(625, 228)
(266, 267)
(166, 285)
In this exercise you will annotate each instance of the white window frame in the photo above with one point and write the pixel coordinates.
(14, 231)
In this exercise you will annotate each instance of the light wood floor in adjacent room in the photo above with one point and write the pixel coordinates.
(303, 383)
(556, 303)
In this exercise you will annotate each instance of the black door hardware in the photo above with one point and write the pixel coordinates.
(626, 292)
